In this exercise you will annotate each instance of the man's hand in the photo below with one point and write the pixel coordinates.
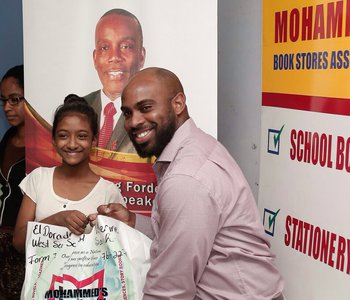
(116, 211)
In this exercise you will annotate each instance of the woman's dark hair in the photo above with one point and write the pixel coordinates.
(16, 72)
(74, 104)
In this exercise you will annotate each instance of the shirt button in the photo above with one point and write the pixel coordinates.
(64, 206)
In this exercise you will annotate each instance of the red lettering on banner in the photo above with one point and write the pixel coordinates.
(306, 23)
(328, 22)
(319, 23)
(299, 243)
(331, 249)
(307, 145)
(281, 19)
(341, 251)
(342, 160)
(339, 163)
(287, 235)
(324, 246)
(320, 244)
(334, 19)
(311, 147)
(294, 25)
(316, 243)
(306, 232)
(316, 148)
(293, 150)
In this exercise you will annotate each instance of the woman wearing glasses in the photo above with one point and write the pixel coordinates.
(12, 171)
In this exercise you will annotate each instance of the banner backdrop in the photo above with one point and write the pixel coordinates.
(305, 144)
(59, 37)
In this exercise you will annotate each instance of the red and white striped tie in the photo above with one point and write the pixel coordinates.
(107, 128)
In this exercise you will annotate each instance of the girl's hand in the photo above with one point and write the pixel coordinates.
(74, 220)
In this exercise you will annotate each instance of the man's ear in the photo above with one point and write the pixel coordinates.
(142, 58)
(179, 103)
(94, 57)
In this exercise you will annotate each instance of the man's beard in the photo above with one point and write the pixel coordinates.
(162, 138)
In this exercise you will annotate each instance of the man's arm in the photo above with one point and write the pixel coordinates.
(187, 218)
(143, 224)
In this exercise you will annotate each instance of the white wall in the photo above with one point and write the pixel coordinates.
(239, 83)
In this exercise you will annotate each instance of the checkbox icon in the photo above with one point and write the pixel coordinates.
(269, 221)
(274, 141)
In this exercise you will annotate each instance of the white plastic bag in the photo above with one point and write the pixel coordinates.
(111, 262)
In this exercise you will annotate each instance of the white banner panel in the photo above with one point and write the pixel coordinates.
(304, 202)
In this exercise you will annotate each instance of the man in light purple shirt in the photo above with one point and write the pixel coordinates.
(208, 239)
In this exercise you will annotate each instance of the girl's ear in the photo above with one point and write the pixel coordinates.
(94, 142)
(54, 143)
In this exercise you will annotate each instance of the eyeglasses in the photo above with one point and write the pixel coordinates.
(13, 101)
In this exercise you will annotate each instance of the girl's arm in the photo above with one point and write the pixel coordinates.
(74, 220)
(26, 213)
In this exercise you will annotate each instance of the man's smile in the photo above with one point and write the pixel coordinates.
(114, 74)
(141, 136)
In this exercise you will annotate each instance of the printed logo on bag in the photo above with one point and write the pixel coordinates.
(66, 286)
(274, 140)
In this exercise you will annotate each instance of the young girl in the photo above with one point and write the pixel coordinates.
(67, 194)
